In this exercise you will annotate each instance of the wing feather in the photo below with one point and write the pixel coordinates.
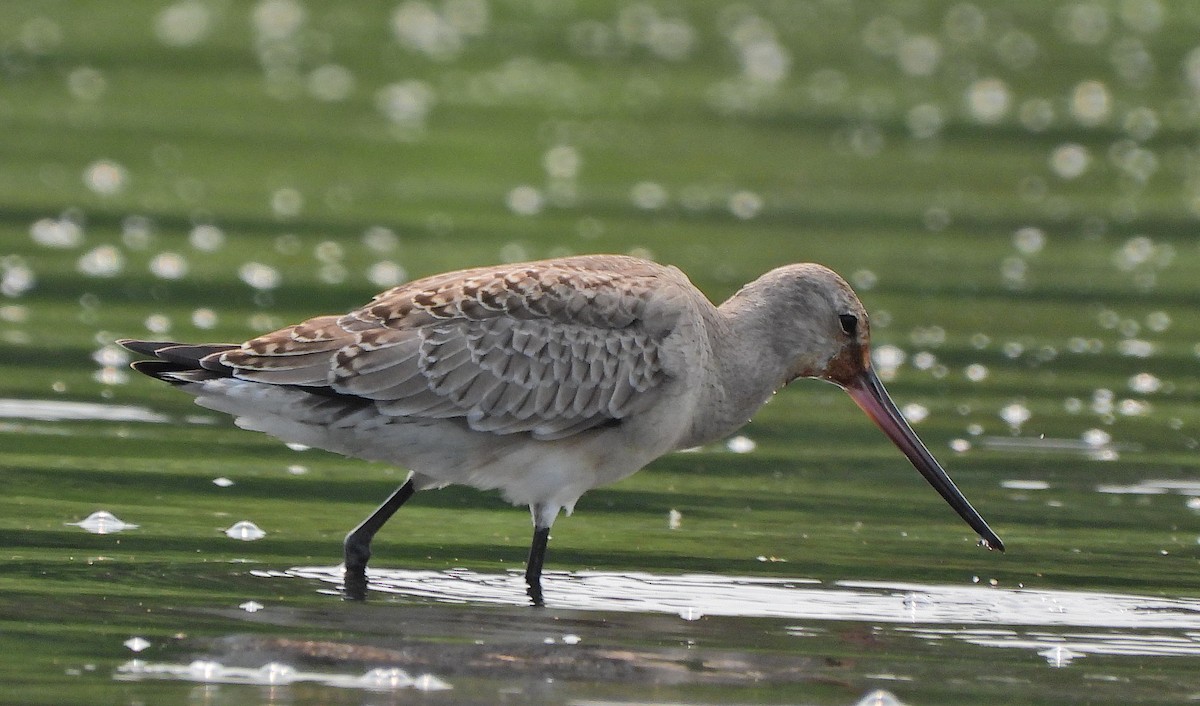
(546, 348)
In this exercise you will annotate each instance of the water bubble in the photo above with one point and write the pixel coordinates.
(111, 355)
(1017, 49)
(386, 273)
(915, 413)
(1059, 656)
(648, 195)
(380, 239)
(245, 531)
(419, 27)
(62, 233)
(1145, 16)
(1145, 383)
(101, 261)
(888, 357)
(1191, 68)
(205, 670)
(14, 314)
(988, 100)
(251, 606)
(1036, 114)
(222, 482)
(960, 445)
(103, 522)
(105, 177)
(297, 469)
(671, 38)
(41, 35)
(925, 121)
(923, 360)
(827, 86)
(331, 83)
(1091, 103)
(137, 232)
(278, 19)
(386, 678)
(879, 697)
(1070, 160)
(158, 323)
(976, 372)
(259, 276)
(328, 252)
(206, 237)
(183, 24)
(1015, 415)
(428, 682)
(406, 104)
(965, 23)
(1158, 321)
(691, 613)
(864, 280)
(86, 83)
(1132, 60)
(204, 318)
(276, 673)
(525, 200)
(1083, 22)
(882, 35)
(286, 202)
(136, 644)
(919, 55)
(1014, 270)
(674, 519)
(745, 204)
(1029, 240)
(168, 265)
(1025, 484)
(763, 59)
(562, 162)
(741, 444)
(1133, 160)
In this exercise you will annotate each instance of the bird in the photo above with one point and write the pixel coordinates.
(542, 380)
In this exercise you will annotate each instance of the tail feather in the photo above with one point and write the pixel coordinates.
(180, 355)
(174, 373)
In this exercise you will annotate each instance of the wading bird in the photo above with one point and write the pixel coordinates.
(542, 379)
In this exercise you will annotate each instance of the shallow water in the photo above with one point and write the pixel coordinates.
(1011, 188)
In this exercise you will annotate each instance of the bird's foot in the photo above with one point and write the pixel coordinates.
(534, 590)
(355, 557)
(355, 583)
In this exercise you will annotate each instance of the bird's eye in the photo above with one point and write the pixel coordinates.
(849, 324)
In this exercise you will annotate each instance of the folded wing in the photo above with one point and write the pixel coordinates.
(546, 349)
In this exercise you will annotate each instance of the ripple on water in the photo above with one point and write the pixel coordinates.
(1059, 626)
(793, 598)
(62, 410)
(278, 673)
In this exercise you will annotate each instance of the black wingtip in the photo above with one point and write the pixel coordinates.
(145, 347)
(160, 369)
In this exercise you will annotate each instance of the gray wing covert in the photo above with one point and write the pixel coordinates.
(544, 351)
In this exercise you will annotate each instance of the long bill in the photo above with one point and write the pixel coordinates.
(868, 393)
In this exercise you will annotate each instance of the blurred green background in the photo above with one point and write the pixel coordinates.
(1012, 187)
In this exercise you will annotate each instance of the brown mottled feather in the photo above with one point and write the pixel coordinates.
(551, 348)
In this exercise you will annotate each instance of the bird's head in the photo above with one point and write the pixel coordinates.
(827, 333)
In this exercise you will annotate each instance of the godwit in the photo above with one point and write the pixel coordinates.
(542, 379)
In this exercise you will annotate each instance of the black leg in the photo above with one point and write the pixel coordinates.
(357, 547)
(533, 568)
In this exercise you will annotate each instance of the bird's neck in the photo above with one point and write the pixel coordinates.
(749, 368)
